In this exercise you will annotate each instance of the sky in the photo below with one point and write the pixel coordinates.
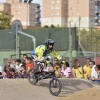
(34, 1)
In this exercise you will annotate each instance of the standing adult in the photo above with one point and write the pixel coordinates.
(24, 59)
(87, 69)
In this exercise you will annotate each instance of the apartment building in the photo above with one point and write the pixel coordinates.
(79, 12)
(27, 13)
(97, 12)
(54, 12)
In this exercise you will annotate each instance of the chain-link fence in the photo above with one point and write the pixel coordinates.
(89, 39)
(60, 35)
(89, 43)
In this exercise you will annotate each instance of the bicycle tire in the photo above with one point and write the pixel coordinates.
(50, 85)
(32, 76)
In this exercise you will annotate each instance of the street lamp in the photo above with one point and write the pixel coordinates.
(27, 1)
(30, 1)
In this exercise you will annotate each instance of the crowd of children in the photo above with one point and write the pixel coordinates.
(19, 69)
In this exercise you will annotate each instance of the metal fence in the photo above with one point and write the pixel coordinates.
(89, 39)
(60, 35)
(89, 43)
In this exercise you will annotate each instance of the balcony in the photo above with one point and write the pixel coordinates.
(38, 6)
(37, 10)
(38, 22)
(97, 23)
(37, 16)
(97, 9)
(97, 17)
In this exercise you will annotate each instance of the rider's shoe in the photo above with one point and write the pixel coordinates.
(46, 76)
(40, 78)
(54, 86)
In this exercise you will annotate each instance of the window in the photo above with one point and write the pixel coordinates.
(57, 1)
(14, 13)
(31, 12)
(77, 14)
(52, 7)
(14, 18)
(72, 8)
(31, 18)
(0, 6)
(77, 2)
(52, 2)
(65, 2)
(19, 6)
(56, 7)
(19, 12)
(57, 13)
(30, 6)
(52, 14)
(18, 17)
(91, 1)
(93, 7)
(72, 1)
(71, 13)
(66, 14)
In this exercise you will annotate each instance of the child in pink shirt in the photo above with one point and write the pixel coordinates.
(66, 70)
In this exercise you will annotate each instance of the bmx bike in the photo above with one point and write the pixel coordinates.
(36, 74)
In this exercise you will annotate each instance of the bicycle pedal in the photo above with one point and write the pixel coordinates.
(54, 86)
(40, 78)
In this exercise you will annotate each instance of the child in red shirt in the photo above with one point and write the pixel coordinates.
(29, 64)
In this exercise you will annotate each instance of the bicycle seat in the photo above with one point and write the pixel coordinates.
(40, 61)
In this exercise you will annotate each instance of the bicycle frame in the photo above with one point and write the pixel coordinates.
(41, 65)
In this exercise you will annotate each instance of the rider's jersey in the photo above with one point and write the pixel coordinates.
(41, 51)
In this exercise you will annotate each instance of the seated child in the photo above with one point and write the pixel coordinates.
(13, 73)
(97, 69)
(57, 67)
(29, 64)
(22, 72)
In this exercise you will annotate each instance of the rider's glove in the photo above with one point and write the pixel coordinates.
(60, 58)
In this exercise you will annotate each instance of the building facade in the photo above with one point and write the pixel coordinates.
(27, 13)
(79, 12)
(54, 12)
(97, 12)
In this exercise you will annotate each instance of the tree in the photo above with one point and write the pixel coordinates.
(52, 26)
(5, 20)
(90, 39)
(46, 26)
(58, 25)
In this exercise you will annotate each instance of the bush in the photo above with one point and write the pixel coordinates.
(46, 26)
(52, 26)
(58, 25)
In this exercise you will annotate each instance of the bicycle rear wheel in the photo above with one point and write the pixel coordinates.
(32, 77)
(55, 86)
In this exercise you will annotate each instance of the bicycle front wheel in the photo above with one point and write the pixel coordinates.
(32, 77)
(55, 86)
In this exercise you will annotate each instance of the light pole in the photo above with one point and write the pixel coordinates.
(70, 45)
(28, 2)
(79, 35)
